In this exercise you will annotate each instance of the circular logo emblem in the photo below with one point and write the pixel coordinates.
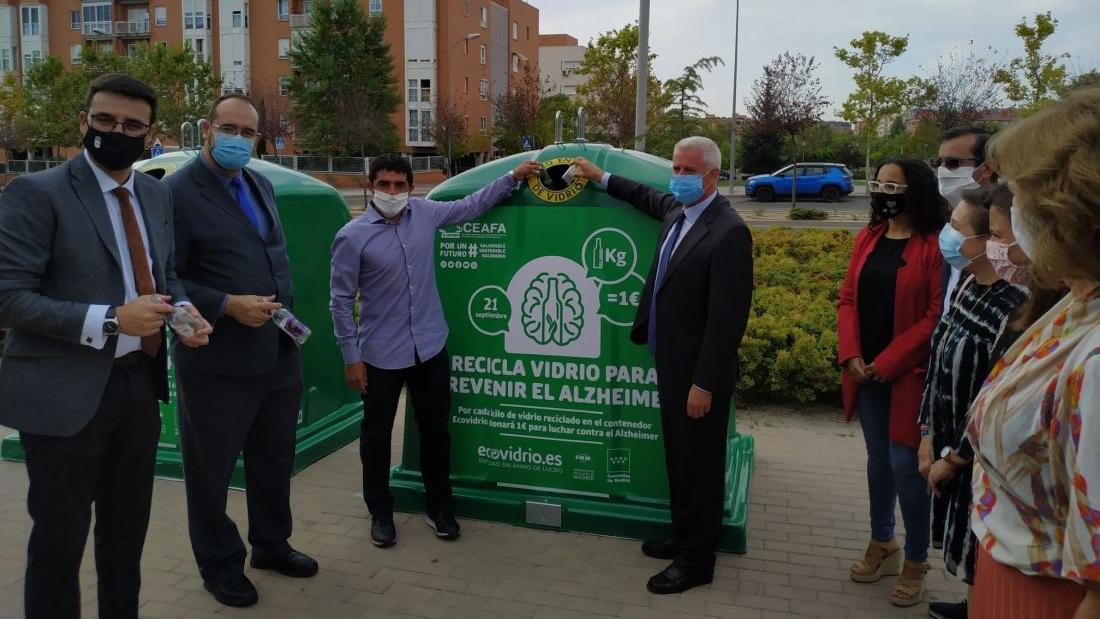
(551, 187)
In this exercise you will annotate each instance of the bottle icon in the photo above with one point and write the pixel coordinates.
(289, 323)
(597, 254)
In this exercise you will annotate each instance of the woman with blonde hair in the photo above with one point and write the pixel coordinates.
(1035, 426)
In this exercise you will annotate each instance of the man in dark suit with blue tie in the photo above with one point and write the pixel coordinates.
(692, 315)
(243, 391)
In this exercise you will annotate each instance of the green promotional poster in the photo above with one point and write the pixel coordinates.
(555, 412)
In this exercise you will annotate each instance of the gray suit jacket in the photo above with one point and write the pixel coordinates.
(58, 255)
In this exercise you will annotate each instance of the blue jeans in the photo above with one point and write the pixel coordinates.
(893, 476)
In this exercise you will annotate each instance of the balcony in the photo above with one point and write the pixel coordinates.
(97, 30)
(132, 29)
(300, 21)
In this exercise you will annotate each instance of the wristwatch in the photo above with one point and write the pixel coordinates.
(946, 451)
(110, 322)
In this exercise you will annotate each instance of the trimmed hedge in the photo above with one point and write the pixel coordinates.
(789, 350)
(799, 213)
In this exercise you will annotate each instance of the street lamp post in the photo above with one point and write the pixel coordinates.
(450, 100)
(642, 92)
(733, 124)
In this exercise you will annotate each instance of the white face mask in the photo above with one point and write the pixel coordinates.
(390, 205)
(954, 182)
(1023, 235)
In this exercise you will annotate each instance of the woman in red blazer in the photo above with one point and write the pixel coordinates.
(888, 307)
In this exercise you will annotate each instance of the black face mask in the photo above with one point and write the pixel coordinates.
(112, 150)
(888, 206)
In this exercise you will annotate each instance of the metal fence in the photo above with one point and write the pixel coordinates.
(346, 165)
(24, 166)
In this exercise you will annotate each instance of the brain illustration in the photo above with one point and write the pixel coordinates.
(553, 312)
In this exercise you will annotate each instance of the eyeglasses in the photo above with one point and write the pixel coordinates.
(890, 188)
(245, 132)
(105, 122)
(952, 163)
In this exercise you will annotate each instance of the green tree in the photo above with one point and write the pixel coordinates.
(185, 85)
(608, 96)
(876, 96)
(55, 97)
(963, 87)
(1035, 78)
(344, 87)
(517, 111)
(548, 108)
(450, 130)
(759, 150)
(13, 115)
(684, 91)
(1090, 79)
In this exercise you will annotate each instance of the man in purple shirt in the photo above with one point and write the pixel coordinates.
(386, 256)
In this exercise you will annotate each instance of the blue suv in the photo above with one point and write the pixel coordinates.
(828, 181)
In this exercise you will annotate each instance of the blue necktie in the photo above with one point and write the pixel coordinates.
(244, 200)
(662, 266)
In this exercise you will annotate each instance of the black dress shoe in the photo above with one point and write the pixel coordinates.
(234, 591)
(677, 579)
(294, 564)
(382, 532)
(444, 525)
(946, 610)
(659, 549)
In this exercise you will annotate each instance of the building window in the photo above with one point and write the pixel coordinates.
(246, 15)
(97, 18)
(5, 60)
(201, 17)
(188, 20)
(414, 125)
(515, 31)
(484, 124)
(466, 85)
(375, 7)
(528, 33)
(465, 7)
(484, 17)
(426, 91)
(31, 24)
(161, 14)
(74, 20)
(284, 85)
(237, 19)
(466, 47)
(74, 53)
(484, 90)
(414, 92)
(484, 55)
(283, 10)
(284, 48)
(515, 63)
(425, 125)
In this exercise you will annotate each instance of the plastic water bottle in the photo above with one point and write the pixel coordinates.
(182, 322)
(289, 323)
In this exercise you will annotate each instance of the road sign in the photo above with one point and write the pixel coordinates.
(157, 149)
(280, 143)
(528, 142)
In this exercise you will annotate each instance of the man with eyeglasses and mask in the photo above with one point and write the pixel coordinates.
(243, 391)
(86, 284)
(960, 166)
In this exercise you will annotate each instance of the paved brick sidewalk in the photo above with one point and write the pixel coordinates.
(807, 522)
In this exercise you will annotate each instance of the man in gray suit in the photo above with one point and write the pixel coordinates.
(86, 276)
(243, 391)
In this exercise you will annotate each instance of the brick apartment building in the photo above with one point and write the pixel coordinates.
(470, 48)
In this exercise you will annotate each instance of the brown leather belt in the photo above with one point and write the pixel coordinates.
(131, 359)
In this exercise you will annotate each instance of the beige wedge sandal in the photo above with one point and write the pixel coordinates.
(880, 559)
(909, 588)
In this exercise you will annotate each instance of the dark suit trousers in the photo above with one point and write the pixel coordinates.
(109, 463)
(219, 417)
(695, 459)
(430, 392)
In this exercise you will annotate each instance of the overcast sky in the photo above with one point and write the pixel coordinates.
(682, 31)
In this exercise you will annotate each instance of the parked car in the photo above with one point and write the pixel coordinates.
(828, 181)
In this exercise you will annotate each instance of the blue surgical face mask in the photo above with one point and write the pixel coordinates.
(686, 188)
(951, 242)
(231, 152)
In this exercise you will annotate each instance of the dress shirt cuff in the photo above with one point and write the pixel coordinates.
(350, 351)
(701, 389)
(92, 335)
(605, 179)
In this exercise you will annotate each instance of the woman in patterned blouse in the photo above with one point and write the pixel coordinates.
(962, 354)
(1035, 426)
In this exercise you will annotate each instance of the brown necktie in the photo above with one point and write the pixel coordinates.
(143, 279)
